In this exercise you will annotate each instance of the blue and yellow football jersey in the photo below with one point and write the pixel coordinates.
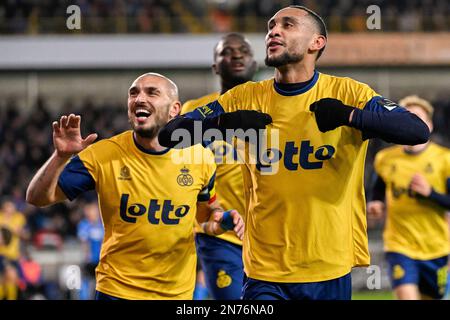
(229, 181)
(15, 223)
(148, 207)
(305, 219)
(415, 227)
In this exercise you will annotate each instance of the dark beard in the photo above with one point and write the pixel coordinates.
(283, 60)
(149, 133)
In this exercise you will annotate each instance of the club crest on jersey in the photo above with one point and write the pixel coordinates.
(429, 168)
(388, 104)
(125, 173)
(398, 272)
(185, 179)
(223, 279)
(442, 278)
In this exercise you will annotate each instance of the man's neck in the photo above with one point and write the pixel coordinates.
(294, 73)
(225, 86)
(151, 144)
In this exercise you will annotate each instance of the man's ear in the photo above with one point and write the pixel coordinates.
(318, 43)
(174, 110)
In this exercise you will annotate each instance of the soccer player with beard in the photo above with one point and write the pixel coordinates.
(148, 202)
(221, 256)
(305, 204)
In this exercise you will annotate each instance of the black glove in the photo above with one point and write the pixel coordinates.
(331, 113)
(179, 122)
(244, 119)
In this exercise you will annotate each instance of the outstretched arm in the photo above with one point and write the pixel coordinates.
(381, 118)
(43, 189)
(210, 116)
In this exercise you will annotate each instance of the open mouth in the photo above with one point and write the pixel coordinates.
(273, 45)
(238, 66)
(142, 114)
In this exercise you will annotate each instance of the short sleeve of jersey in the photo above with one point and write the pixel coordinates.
(364, 97)
(79, 175)
(355, 93)
(208, 193)
(191, 105)
(188, 106)
(366, 94)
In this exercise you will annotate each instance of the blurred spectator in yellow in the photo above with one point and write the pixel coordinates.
(14, 221)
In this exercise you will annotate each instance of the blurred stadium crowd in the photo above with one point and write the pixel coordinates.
(198, 16)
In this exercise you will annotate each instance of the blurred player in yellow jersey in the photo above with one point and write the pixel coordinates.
(305, 205)
(414, 182)
(13, 222)
(221, 256)
(148, 199)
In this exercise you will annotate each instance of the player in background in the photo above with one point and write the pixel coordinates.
(413, 186)
(14, 221)
(148, 202)
(306, 218)
(90, 232)
(8, 288)
(221, 256)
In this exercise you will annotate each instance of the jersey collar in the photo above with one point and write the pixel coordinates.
(141, 148)
(298, 88)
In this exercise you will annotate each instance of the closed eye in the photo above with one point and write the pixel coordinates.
(132, 92)
(152, 91)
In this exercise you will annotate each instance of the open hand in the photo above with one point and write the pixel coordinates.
(420, 185)
(375, 209)
(67, 138)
